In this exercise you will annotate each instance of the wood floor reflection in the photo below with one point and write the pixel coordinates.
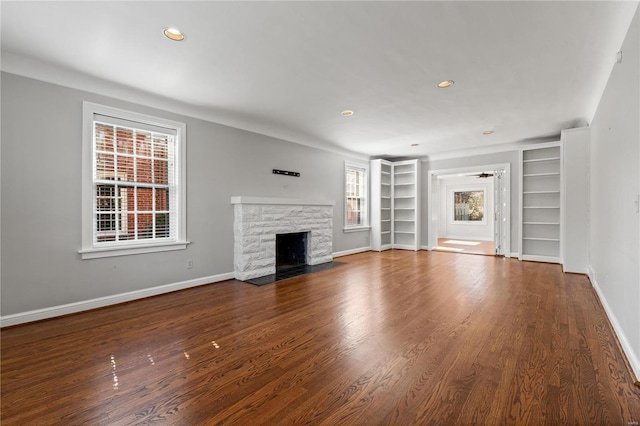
(393, 338)
(466, 246)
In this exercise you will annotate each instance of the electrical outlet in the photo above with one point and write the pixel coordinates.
(189, 263)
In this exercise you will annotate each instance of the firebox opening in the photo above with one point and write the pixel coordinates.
(291, 250)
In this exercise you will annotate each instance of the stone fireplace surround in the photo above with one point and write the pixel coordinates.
(257, 220)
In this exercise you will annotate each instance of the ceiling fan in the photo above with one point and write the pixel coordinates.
(483, 175)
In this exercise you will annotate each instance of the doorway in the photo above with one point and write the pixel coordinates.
(468, 210)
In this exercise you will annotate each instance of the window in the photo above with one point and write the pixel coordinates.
(468, 206)
(356, 196)
(133, 183)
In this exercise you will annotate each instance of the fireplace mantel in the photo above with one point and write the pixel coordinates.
(257, 221)
(271, 201)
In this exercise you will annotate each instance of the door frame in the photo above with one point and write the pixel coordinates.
(432, 223)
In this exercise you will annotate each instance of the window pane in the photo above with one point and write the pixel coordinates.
(162, 199)
(353, 211)
(124, 141)
(106, 198)
(143, 144)
(145, 199)
(125, 168)
(127, 206)
(468, 206)
(143, 170)
(128, 227)
(160, 172)
(105, 166)
(162, 225)
(160, 146)
(104, 138)
(106, 222)
(145, 225)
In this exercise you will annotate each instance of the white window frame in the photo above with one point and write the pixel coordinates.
(451, 205)
(363, 167)
(92, 250)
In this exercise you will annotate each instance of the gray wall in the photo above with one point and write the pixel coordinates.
(615, 183)
(41, 198)
(510, 157)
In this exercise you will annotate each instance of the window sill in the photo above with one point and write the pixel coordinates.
(356, 229)
(96, 253)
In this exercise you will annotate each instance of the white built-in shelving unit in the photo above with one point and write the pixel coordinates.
(541, 203)
(395, 205)
(381, 191)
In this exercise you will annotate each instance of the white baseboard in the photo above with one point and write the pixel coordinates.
(632, 357)
(506, 255)
(85, 305)
(516, 255)
(352, 251)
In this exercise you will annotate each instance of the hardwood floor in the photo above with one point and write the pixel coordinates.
(466, 246)
(392, 338)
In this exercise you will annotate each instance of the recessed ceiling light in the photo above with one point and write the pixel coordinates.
(487, 132)
(347, 112)
(173, 34)
(415, 144)
(445, 84)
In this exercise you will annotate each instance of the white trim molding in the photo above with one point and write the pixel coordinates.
(356, 229)
(37, 69)
(632, 357)
(101, 302)
(490, 149)
(352, 251)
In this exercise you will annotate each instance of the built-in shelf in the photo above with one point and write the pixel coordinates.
(541, 203)
(537, 160)
(395, 204)
(541, 174)
(541, 192)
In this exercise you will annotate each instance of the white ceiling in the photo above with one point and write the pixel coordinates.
(287, 69)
